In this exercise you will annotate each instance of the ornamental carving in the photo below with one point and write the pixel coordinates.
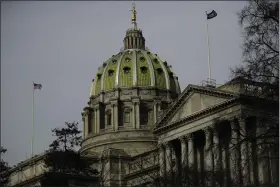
(126, 93)
(145, 92)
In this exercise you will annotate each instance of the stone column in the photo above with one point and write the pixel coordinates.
(162, 161)
(235, 170)
(115, 114)
(155, 110)
(86, 113)
(208, 156)
(183, 154)
(168, 160)
(133, 116)
(113, 117)
(244, 151)
(224, 162)
(98, 119)
(191, 155)
(263, 165)
(137, 112)
(95, 121)
(217, 158)
(84, 126)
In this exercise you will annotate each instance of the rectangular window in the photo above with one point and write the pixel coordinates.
(127, 117)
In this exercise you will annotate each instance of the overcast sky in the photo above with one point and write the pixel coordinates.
(61, 44)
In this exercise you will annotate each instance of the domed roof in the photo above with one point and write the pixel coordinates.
(135, 66)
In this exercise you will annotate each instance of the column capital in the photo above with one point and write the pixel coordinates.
(160, 146)
(182, 139)
(241, 117)
(190, 136)
(167, 144)
(207, 129)
(114, 102)
(156, 101)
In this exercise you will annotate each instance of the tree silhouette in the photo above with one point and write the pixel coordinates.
(3, 168)
(260, 19)
(67, 137)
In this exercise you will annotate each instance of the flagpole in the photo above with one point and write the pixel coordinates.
(208, 43)
(32, 139)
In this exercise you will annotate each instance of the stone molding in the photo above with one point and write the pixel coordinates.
(198, 89)
(160, 129)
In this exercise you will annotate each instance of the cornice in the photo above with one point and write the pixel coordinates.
(192, 89)
(196, 115)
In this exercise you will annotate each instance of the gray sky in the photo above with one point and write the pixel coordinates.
(61, 44)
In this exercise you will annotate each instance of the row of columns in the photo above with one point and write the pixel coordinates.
(232, 162)
(91, 117)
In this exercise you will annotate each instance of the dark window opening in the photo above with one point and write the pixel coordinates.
(110, 72)
(159, 70)
(109, 119)
(142, 59)
(144, 69)
(155, 60)
(126, 70)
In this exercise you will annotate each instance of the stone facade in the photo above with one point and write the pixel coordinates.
(155, 135)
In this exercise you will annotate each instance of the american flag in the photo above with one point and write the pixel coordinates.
(37, 86)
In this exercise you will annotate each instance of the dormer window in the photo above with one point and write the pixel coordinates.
(110, 72)
(170, 74)
(155, 60)
(165, 63)
(127, 59)
(159, 70)
(148, 52)
(144, 69)
(104, 64)
(114, 61)
(142, 59)
(126, 70)
(99, 75)
(156, 54)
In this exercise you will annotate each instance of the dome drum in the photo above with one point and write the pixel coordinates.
(128, 94)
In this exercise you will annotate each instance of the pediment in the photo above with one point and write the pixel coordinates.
(192, 100)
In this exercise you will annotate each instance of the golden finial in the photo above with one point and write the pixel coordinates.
(133, 19)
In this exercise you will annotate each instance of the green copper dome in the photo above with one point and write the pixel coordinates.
(134, 66)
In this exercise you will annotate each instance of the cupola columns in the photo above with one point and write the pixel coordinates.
(134, 38)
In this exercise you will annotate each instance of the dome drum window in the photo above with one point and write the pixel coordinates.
(144, 69)
(126, 70)
(159, 70)
(110, 72)
(126, 117)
